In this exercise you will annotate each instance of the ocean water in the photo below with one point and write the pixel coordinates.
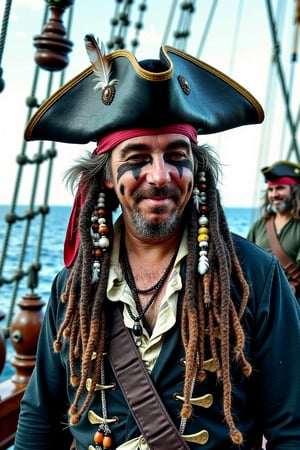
(239, 220)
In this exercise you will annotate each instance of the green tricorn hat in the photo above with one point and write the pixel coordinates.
(117, 92)
(282, 169)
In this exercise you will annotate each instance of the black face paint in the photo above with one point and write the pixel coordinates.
(135, 168)
(181, 164)
(122, 189)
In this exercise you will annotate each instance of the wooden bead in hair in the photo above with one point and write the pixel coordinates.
(199, 197)
(99, 232)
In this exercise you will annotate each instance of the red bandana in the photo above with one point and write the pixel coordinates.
(111, 140)
(289, 181)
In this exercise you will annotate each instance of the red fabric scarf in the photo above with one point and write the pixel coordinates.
(289, 181)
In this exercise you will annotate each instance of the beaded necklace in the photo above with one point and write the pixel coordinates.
(137, 327)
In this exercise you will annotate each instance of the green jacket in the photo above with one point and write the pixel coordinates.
(267, 402)
(289, 238)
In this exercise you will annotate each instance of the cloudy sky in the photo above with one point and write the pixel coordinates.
(241, 48)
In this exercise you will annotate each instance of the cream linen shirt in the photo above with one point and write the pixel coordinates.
(149, 347)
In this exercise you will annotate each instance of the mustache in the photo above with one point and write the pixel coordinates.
(157, 192)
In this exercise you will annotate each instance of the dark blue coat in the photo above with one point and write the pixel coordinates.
(267, 402)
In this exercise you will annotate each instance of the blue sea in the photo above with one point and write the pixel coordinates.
(239, 220)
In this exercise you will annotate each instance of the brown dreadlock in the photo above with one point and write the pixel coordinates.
(208, 309)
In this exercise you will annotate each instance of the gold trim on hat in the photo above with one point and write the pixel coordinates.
(266, 170)
(166, 53)
(221, 75)
(46, 105)
(146, 74)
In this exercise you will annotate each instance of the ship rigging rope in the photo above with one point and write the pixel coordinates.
(3, 35)
(291, 77)
(207, 28)
(169, 22)
(270, 97)
(285, 92)
(120, 24)
(266, 151)
(294, 58)
(32, 221)
(236, 35)
(42, 158)
(183, 31)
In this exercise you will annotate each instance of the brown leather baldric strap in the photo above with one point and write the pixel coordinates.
(146, 406)
(288, 265)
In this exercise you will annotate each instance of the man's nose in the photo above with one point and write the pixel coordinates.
(158, 171)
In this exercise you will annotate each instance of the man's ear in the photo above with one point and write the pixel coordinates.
(109, 184)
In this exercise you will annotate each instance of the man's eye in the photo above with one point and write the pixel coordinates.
(138, 158)
(175, 156)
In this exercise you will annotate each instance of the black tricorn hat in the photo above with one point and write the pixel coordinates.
(282, 169)
(177, 88)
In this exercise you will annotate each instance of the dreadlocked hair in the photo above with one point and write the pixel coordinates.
(208, 309)
(84, 321)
